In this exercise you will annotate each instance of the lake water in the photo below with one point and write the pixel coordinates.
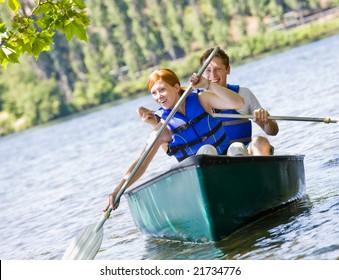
(54, 179)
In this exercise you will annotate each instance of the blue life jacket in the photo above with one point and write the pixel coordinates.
(237, 130)
(194, 130)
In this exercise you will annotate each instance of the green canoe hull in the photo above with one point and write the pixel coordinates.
(205, 198)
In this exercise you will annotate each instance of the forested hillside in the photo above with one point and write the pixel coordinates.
(126, 38)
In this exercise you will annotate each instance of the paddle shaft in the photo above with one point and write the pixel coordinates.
(285, 118)
(161, 129)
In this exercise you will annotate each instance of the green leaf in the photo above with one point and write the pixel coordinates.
(46, 38)
(3, 58)
(3, 62)
(26, 47)
(39, 46)
(45, 22)
(14, 5)
(75, 29)
(46, 8)
(7, 55)
(80, 4)
(2, 27)
(82, 19)
(13, 58)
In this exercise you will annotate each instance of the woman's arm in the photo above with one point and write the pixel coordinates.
(216, 96)
(162, 138)
(148, 116)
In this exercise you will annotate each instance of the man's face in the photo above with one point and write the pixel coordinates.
(217, 72)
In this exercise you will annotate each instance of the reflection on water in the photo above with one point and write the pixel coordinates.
(54, 179)
(268, 234)
(257, 238)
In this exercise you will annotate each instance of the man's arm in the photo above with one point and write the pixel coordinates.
(253, 107)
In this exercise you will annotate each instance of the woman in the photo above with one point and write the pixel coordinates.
(192, 127)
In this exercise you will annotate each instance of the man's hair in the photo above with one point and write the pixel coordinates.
(220, 53)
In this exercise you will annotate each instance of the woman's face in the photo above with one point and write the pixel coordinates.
(165, 94)
(217, 72)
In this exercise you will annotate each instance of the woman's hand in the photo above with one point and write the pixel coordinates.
(110, 202)
(147, 116)
(199, 82)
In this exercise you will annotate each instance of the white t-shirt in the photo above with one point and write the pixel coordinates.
(251, 103)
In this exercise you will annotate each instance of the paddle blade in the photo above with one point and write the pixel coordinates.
(86, 245)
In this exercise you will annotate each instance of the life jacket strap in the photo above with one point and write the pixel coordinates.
(190, 123)
(216, 144)
(172, 150)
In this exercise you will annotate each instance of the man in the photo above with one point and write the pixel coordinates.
(240, 130)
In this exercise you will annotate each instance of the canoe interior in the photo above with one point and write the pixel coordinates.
(205, 198)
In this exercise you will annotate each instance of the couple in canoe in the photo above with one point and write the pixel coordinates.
(192, 129)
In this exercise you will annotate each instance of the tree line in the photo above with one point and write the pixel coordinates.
(125, 38)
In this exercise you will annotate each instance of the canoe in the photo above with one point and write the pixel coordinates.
(205, 198)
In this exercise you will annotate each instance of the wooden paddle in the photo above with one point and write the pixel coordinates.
(86, 245)
(285, 118)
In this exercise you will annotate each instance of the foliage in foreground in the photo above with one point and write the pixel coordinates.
(32, 32)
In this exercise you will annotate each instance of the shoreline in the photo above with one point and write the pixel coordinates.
(248, 50)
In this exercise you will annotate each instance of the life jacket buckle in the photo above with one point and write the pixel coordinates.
(202, 139)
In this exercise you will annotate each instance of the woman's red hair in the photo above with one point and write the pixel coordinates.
(165, 75)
